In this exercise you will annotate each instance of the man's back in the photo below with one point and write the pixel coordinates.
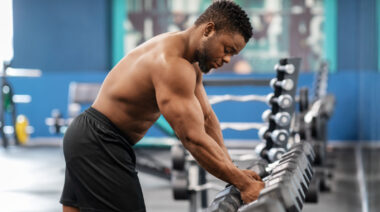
(127, 96)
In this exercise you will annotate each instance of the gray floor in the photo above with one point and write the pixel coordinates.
(31, 179)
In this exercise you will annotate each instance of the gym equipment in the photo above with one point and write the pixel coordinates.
(215, 99)
(277, 133)
(281, 118)
(226, 200)
(278, 137)
(263, 205)
(286, 180)
(241, 126)
(180, 184)
(286, 84)
(20, 129)
(178, 156)
(283, 101)
(288, 68)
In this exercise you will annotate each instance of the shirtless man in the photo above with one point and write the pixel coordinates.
(161, 76)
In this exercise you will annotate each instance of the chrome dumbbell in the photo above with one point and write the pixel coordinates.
(283, 101)
(281, 118)
(288, 68)
(279, 137)
(286, 84)
(273, 153)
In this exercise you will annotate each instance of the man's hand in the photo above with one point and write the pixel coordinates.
(250, 192)
(251, 174)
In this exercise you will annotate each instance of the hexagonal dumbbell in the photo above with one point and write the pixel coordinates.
(284, 193)
(288, 182)
(282, 119)
(227, 200)
(278, 136)
(288, 68)
(178, 156)
(293, 167)
(180, 185)
(283, 101)
(263, 205)
(286, 84)
(295, 181)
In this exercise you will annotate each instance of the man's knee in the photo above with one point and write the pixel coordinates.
(70, 209)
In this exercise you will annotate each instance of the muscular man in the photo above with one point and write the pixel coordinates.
(161, 76)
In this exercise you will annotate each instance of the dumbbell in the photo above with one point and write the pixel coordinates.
(283, 101)
(288, 68)
(294, 180)
(180, 185)
(278, 136)
(296, 168)
(282, 119)
(178, 156)
(286, 84)
(227, 200)
(273, 153)
(263, 205)
(283, 191)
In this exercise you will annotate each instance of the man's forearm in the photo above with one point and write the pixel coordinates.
(213, 129)
(211, 157)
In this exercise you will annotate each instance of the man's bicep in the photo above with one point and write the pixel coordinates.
(177, 102)
(184, 114)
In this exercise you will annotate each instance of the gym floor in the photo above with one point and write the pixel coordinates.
(32, 180)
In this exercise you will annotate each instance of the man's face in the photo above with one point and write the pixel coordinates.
(218, 48)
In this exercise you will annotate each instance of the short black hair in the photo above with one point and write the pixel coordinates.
(229, 16)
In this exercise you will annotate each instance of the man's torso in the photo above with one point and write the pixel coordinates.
(127, 96)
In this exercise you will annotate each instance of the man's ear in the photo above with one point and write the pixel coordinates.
(209, 29)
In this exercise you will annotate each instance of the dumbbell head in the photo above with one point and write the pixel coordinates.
(260, 148)
(266, 115)
(180, 183)
(288, 68)
(292, 167)
(178, 156)
(282, 119)
(284, 101)
(227, 200)
(263, 205)
(269, 98)
(292, 177)
(286, 84)
(259, 166)
(280, 137)
(285, 180)
(283, 193)
(275, 153)
(262, 131)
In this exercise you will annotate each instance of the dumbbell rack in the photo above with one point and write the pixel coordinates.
(275, 136)
(286, 184)
(311, 126)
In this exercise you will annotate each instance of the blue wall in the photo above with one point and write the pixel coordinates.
(70, 41)
(61, 35)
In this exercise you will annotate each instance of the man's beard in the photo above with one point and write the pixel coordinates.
(202, 58)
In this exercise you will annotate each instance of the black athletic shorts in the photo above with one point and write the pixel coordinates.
(100, 166)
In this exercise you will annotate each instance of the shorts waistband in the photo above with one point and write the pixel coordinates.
(104, 120)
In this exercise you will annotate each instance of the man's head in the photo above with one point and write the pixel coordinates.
(226, 30)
